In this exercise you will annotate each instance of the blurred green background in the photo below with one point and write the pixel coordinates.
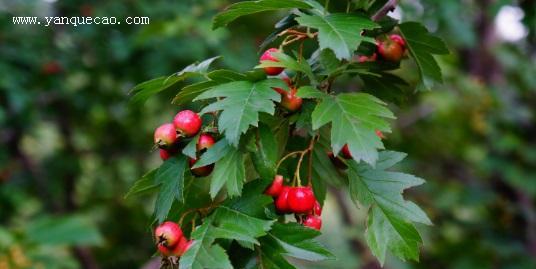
(71, 145)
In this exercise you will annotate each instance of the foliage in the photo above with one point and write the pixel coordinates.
(237, 101)
(72, 143)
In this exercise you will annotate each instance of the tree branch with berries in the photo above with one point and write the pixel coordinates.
(232, 180)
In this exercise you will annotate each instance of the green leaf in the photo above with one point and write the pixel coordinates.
(251, 7)
(170, 177)
(216, 77)
(143, 185)
(383, 85)
(141, 92)
(65, 230)
(328, 60)
(290, 63)
(293, 240)
(386, 232)
(188, 93)
(354, 118)
(229, 221)
(339, 32)
(203, 253)
(422, 45)
(243, 102)
(232, 224)
(390, 217)
(230, 170)
(190, 149)
(265, 155)
(214, 153)
(310, 92)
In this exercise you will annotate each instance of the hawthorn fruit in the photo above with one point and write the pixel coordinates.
(165, 135)
(301, 199)
(290, 101)
(267, 56)
(168, 234)
(276, 187)
(205, 141)
(202, 171)
(281, 202)
(314, 222)
(187, 123)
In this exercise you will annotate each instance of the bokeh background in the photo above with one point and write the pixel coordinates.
(71, 145)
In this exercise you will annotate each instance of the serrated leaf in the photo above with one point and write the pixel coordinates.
(290, 63)
(143, 185)
(203, 254)
(190, 149)
(354, 118)
(214, 153)
(141, 92)
(243, 102)
(339, 32)
(310, 92)
(228, 221)
(293, 240)
(422, 45)
(390, 217)
(397, 235)
(232, 224)
(229, 171)
(383, 85)
(170, 177)
(251, 7)
(328, 60)
(265, 155)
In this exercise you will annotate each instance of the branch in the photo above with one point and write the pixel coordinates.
(389, 6)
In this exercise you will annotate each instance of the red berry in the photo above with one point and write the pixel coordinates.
(205, 141)
(317, 209)
(365, 58)
(168, 234)
(187, 122)
(301, 199)
(276, 187)
(281, 91)
(346, 152)
(290, 101)
(398, 39)
(281, 202)
(165, 135)
(165, 251)
(164, 154)
(183, 246)
(202, 171)
(314, 222)
(176, 250)
(390, 51)
(267, 56)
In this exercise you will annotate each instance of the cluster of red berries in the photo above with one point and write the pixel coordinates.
(391, 49)
(298, 200)
(185, 124)
(170, 240)
(289, 100)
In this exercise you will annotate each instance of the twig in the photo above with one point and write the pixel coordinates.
(389, 6)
